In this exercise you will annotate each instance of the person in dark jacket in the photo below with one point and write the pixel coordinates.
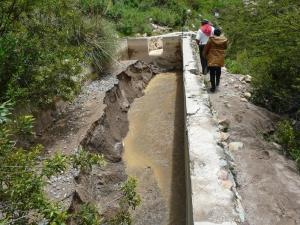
(214, 52)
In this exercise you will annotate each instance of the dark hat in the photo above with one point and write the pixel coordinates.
(205, 21)
(217, 32)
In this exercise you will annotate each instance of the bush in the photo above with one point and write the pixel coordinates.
(240, 65)
(267, 31)
(165, 17)
(43, 46)
(288, 138)
(133, 21)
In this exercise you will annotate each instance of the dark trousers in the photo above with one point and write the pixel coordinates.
(215, 74)
(203, 59)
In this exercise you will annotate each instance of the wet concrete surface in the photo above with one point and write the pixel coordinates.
(154, 151)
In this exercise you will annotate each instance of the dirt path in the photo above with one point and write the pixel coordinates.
(268, 183)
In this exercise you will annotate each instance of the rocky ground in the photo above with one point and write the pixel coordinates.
(268, 183)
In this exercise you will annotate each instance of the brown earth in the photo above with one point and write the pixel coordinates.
(98, 127)
(268, 183)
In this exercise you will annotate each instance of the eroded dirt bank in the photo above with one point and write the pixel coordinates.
(102, 135)
(154, 151)
(268, 183)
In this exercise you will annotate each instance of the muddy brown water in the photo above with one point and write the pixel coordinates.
(154, 151)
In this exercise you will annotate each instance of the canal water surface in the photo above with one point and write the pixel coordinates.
(154, 151)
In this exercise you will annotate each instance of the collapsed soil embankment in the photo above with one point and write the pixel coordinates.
(106, 135)
(102, 185)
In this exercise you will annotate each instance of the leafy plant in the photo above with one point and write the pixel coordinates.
(130, 196)
(286, 136)
(23, 176)
(5, 112)
(122, 218)
(84, 160)
(130, 199)
(87, 215)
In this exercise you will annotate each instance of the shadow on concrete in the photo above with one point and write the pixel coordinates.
(178, 183)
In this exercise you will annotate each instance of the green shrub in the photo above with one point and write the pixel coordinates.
(268, 33)
(23, 176)
(285, 134)
(165, 17)
(240, 65)
(289, 139)
(87, 215)
(132, 21)
(44, 46)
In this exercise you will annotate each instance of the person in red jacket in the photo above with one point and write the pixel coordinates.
(203, 34)
(214, 52)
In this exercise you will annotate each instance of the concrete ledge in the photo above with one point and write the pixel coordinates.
(138, 49)
(210, 186)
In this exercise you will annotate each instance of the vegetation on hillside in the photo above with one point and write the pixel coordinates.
(289, 139)
(265, 43)
(43, 47)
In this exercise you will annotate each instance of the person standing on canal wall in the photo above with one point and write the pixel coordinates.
(214, 52)
(203, 34)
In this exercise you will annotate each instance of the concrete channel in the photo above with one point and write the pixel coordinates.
(210, 196)
(157, 126)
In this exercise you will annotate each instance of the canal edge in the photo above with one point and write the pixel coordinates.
(211, 189)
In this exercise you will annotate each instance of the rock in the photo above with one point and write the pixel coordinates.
(244, 100)
(224, 123)
(228, 105)
(236, 86)
(248, 78)
(224, 136)
(247, 94)
(223, 163)
(235, 146)
(241, 78)
(277, 146)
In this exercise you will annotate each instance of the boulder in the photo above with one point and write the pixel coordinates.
(224, 136)
(247, 94)
(244, 100)
(235, 146)
(224, 123)
(248, 78)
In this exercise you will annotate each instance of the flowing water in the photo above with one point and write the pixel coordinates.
(154, 151)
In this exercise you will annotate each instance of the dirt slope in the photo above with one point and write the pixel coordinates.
(268, 183)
